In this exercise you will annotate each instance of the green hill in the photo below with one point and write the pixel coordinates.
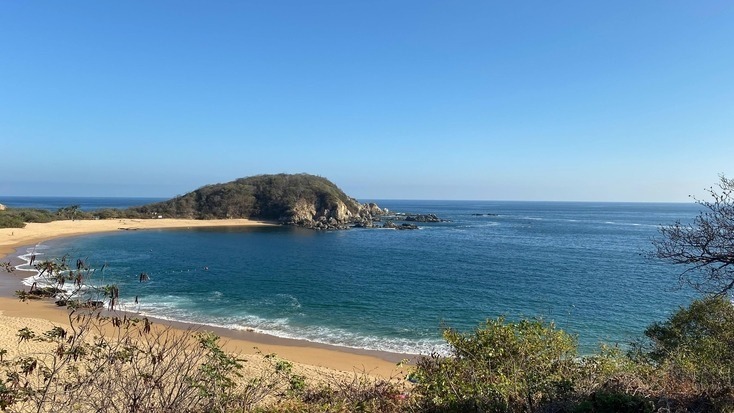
(300, 199)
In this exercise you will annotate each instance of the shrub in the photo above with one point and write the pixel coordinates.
(10, 221)
(615, 402)
(695, 349)
(18, 217)
(125, 364)
(502, 366)
(339, 393)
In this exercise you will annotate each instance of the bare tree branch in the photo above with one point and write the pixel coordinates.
(706, 245)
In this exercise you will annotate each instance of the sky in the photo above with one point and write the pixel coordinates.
(476, 100)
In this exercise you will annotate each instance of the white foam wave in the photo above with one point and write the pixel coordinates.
(171, 310)
(292, 301)
(630, 224)
(28, 256)
(36, 255)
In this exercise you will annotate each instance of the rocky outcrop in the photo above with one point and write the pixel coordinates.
(423, 218)
(2, 207)
(335, 215)
(392, 225)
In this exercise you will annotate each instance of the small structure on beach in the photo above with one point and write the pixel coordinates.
(2, 207)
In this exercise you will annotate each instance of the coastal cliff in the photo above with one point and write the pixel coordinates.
(301, 199)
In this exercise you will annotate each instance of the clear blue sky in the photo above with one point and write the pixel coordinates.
(532, 100)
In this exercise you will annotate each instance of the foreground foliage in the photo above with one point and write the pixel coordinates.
(685, 364)
(113, 364)
(500, 366)
(695, 348)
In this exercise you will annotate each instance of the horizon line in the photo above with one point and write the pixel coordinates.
(362, 199)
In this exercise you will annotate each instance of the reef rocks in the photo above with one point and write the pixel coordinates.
(392, 225)
(423, 218)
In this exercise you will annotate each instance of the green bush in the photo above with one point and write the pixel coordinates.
(18, 217)
(695, 346)
(705, 328)
(10, 221)
(500, 367)
(615, 402)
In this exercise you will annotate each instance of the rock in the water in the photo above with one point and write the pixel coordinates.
(374, 210)
(392, 225)
(423, 218)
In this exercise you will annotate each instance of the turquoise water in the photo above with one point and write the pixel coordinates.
(582, 265)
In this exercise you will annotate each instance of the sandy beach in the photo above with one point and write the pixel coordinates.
(311, 359)
(12, 238)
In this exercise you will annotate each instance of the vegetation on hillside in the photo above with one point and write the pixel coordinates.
(270, 197)
(18, 217)
(266, 197)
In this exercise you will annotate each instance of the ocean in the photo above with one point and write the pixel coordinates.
(584, 266)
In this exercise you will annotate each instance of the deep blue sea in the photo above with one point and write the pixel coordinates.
(582, 265)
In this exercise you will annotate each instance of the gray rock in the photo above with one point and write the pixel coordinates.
(392, 225)
(423, 218)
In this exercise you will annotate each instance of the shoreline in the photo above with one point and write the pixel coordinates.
(14, 238)
(345, 359)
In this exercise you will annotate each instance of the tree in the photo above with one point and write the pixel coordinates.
(69, 212)
(706, 245)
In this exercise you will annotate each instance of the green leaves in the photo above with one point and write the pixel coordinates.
(25, 334)
(697, 342)
(499, 367)
(219, 372)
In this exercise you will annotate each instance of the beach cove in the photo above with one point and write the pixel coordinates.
(311, 359)
(578, 264)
